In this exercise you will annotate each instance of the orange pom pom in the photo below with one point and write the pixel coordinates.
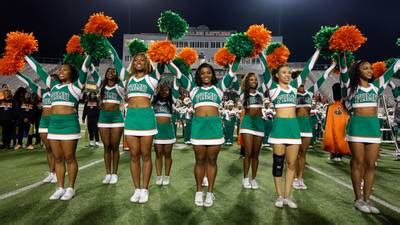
(261, 37)
(189, 55)
(99, 23)
(74, 45)
(10, 65)
(378, 69)
(21, 43)
(278, 57)
(347, 38)
(224, 57)
(162, 51)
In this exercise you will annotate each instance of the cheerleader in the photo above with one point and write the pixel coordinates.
(229, 115)
(140, 122)
(44, 123)
(111, 121)
(206, 94)
(285, 134)
(363, 130)
(303, 108)
(64, 129)
(252, 126)
(165, 138)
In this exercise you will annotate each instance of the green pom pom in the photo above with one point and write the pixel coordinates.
(74, 59)
(95, 46)
(271, 47)
(321, 40)
(398, 42)
(389, 63)
(183, 67)
(240, 45)
(172, 24)
(136, 46)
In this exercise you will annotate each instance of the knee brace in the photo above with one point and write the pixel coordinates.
(277, 165)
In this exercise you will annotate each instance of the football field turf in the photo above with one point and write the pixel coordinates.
(328, 199)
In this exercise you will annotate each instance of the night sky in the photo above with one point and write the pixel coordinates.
(54, 21)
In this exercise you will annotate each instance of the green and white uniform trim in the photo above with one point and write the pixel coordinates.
(46, 100)
(363, 128)
(62, 127)
(285, 131)
(112, 95)
(140, 122)
(205, 96)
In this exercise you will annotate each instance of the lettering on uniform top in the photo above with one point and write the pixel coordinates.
(110, 95)
(255, 100)
(137, 87)
(206, 96)
(286, 98)
(59, 95)
(301, 100)
(161, 109)
(365, 97)
(46, 101)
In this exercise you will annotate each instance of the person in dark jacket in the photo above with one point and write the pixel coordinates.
(91, 110)
(7, 123)
(25, 113)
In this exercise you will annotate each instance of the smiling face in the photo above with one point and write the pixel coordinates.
(252, 81)
(283, 75)
(206, 75)
(365, 70)
(65, 73)
(111, 74)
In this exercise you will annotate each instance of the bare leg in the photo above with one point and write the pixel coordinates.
(168, 158)
(69, 149)
(133, 143)
(301, 159)
(105, 134)
(257, 141)
(159, 158)
(199, 167)
(291, 158)
(212, 167)
(371, 155)
(59, 161)
(50, 156)
(248, 149)
(115, 140)
(357, 166)
(145, 150)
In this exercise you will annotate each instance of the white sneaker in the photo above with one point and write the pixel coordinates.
(209, 199)
(165, 180)
(144, 196)
(107, 179)
(301, 184)
(136, 195)
(362, 206)
(290, 203)
(296, 184)
(372, 208)
(48, 178)
(114, 179)
(91, 143)
(198, 199)
(97, 144)
(205, 182)
(159, 180)
(279, 202)
(57, 194)
(246, 183)
(254, 184)
(54, 180)
(69, 193)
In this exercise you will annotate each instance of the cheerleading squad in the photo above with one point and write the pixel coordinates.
(153, 111)
(283, 118)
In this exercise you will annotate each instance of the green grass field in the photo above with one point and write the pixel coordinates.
(325, 201)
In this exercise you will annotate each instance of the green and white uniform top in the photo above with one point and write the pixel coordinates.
(136, 87)
(368, 96)
(305, 99)
(41, 92)
(112, 94)
(256, 99)
(281, 97)
(62, 94)
(162, 109)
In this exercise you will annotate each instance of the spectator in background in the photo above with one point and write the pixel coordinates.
(7, 123)
(25, 113)
(91, 110)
